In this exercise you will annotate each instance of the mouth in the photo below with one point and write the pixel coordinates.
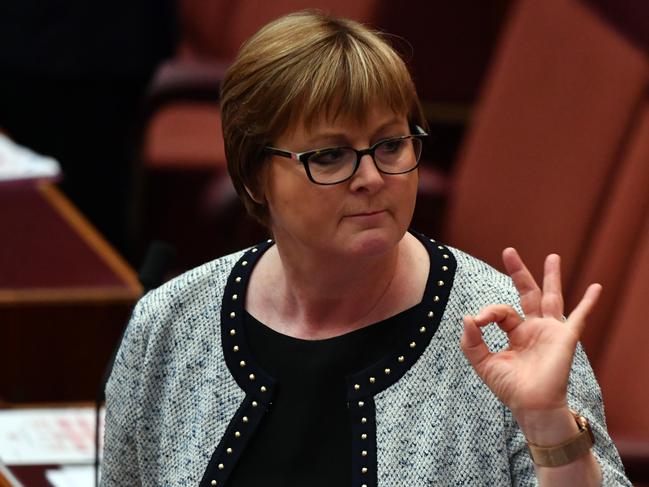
(366, 213)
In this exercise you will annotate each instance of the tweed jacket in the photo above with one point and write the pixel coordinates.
(186, 395)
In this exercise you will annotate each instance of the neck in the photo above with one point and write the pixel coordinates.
(322, 296)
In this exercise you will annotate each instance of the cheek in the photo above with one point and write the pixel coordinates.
(296, 202)
(408, 194)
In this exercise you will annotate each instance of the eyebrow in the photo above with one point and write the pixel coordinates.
(336, 138)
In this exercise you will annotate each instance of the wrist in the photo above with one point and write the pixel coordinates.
(554, 441)
(547, 427)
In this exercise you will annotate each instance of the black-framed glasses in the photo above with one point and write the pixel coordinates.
(333, 165)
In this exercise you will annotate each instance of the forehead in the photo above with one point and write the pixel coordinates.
(352, 125)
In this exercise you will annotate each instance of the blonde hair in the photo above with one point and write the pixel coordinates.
(294, 70)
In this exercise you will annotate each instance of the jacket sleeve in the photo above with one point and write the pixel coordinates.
(584, 396)
(120, 464)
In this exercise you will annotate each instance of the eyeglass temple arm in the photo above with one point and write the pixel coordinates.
(419, 130)
(282, 153)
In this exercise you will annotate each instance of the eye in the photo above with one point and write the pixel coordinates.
(391, 146)
(330, 156)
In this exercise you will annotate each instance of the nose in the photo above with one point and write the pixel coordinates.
(367, 177)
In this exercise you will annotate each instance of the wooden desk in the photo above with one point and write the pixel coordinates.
(25, 476)
(65, 296)
(7, 478)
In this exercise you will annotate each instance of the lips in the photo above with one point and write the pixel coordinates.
(367, 213)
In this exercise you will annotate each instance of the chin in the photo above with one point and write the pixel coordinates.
(373, 242)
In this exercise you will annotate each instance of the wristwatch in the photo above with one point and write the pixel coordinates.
(566, 452)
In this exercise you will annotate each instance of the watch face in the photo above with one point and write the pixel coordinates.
(584, 425)
(591, 436)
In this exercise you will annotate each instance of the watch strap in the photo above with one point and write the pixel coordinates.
(567, 451)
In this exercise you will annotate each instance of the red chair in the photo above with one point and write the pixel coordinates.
(623, 363)
(184, 187)
(556, 161)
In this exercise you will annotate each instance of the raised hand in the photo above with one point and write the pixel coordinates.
(531, 375)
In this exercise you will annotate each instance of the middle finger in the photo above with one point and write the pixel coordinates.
(552, 301)
(528, 289)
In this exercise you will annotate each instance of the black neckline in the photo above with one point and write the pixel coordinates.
(359, 331)
(333, 357)
(416, 336)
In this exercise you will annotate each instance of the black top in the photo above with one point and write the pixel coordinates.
(305, 438)
(312, 436)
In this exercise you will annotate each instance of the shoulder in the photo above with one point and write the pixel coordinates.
(477, 282)
(174, 321)
(166, 367)
(186, 303)
(191, 289)
(472, 277)
(474, 283)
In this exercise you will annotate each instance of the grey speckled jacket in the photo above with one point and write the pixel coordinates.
(185, 394)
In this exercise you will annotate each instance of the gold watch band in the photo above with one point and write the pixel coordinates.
(566, 452)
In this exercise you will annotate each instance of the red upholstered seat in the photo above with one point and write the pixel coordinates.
(450, 46)
(620, 251)
(185, 178)
(557, 160)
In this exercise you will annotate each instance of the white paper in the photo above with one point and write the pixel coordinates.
(71, 477)
(18, 162)
(48, 436)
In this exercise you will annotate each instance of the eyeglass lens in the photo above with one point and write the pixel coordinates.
(392, 156)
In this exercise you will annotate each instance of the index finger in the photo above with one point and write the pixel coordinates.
(527, 288)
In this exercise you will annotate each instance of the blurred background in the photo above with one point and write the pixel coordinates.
(539, 115)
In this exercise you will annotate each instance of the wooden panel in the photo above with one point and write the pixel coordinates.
(49, 248)
(65, 296)
(7, 478)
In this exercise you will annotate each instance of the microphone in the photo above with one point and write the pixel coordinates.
(152, 272)
(156, 263)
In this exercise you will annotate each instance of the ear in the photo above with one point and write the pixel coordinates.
(260, 200)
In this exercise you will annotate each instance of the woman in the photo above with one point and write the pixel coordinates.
(347, 350)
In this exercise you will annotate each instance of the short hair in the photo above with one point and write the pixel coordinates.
(292, 71)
